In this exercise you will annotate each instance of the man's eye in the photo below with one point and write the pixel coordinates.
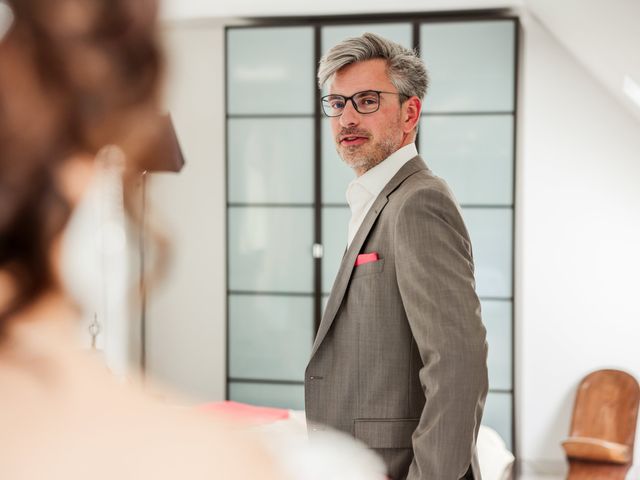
(337, 104)
(368, 101)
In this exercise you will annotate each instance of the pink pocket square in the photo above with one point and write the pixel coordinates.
(366, 258)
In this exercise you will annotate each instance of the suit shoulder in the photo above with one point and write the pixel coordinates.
(424, 184)
(427, 200)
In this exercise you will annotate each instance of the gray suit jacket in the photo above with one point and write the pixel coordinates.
(399, 360)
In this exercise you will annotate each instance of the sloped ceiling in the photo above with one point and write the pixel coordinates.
(602, 35)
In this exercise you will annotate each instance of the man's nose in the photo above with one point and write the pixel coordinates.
(350, 115)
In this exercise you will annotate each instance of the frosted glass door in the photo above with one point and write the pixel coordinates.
(270, 216)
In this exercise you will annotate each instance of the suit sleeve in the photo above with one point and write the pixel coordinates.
(435, 274)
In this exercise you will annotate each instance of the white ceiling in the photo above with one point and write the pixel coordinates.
(190, 9)
(602, 35)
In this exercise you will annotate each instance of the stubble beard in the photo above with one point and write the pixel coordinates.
(362, 158)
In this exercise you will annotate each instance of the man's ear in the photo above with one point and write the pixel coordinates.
(411, 117)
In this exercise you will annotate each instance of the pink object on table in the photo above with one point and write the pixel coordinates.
(366, 258)
(245, 413)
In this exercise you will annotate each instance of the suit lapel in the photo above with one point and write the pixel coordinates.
(349, 259)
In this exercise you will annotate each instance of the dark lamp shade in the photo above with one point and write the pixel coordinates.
(169, 157)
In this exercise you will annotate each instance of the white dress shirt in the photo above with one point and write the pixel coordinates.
(363, 190)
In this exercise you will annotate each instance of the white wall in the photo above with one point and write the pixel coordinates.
(186, 314)
(578, 241)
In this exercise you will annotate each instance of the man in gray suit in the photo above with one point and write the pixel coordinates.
(399, 360)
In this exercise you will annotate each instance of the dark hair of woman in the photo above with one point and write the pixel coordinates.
(75, 76)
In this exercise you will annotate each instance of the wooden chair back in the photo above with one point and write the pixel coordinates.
(603, 426)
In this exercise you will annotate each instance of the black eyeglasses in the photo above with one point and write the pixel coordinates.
(367, 101)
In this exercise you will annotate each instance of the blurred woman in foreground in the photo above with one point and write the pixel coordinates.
(75, 76)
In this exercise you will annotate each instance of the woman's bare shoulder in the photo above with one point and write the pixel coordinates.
(87, 425)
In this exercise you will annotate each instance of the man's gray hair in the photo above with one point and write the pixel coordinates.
(405, 68)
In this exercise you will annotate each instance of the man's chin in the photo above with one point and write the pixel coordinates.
(354, 162)
(360, 166)
(353, 158)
